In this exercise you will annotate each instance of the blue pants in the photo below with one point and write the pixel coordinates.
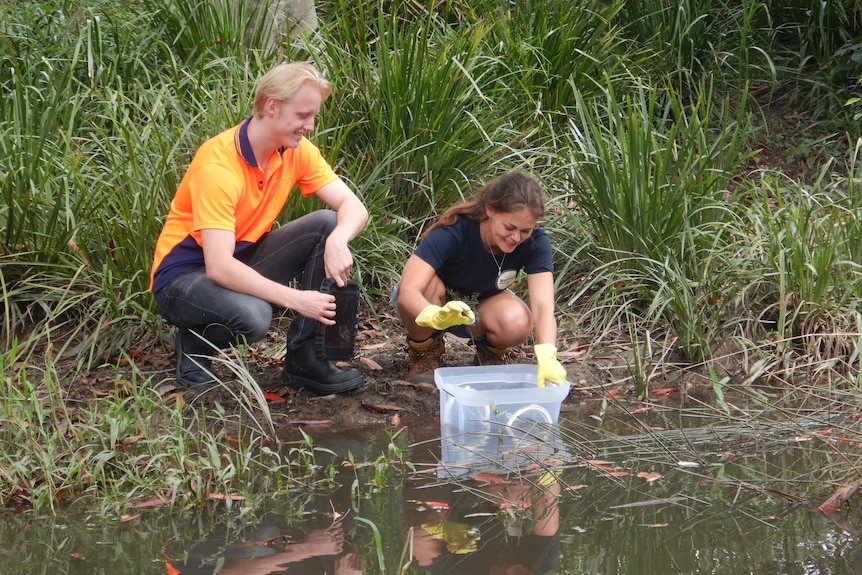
(225, 317)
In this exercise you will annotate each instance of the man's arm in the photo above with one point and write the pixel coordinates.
(352, 217)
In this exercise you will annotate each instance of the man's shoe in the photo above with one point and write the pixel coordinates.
(302, 368)
(194, 368)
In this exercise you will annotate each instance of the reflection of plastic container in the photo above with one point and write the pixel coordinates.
(497, 397)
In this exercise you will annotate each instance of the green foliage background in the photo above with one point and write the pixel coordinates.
(639, 117)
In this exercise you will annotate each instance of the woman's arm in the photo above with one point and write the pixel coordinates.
(542, 305)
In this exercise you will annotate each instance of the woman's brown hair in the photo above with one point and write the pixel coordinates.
(508, 193)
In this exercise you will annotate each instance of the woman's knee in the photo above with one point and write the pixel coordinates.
(508, 322)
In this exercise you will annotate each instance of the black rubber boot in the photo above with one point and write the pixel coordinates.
(302, 368)
(194, 363)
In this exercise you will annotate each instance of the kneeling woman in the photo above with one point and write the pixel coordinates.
(478, 248)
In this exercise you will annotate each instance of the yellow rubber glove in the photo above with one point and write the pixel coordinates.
(547, 366)
(453, 313)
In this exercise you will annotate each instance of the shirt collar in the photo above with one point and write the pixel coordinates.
(243, 146)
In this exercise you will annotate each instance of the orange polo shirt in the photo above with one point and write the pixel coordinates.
(225, 189)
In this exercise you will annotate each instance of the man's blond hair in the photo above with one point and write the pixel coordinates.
(285, 80)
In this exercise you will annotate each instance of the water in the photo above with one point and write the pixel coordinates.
(662, 493)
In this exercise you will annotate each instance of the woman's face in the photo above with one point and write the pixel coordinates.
(506, 230)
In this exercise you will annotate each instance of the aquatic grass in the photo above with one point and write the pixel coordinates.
(813, 430)
(803, 243)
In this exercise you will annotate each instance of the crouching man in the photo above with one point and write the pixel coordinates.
(219, 265)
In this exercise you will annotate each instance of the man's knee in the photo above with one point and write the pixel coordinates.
(254, 321)
(327, 220)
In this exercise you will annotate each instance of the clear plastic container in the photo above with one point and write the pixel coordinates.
(498, 398)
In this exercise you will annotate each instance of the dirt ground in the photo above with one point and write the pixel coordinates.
(385, 399)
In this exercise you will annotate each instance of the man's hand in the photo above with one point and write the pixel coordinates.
(547, 366)
(337, 260)
(453, 313)
(314, 305)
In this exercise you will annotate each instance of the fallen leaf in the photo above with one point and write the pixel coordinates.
(133, 439)
(838, 498)
(664, 391)
(370, 363)
(439, 505)
(374, 345)
(787, 496)
(222, 496)
(127, 518)
(382, 407)
(150, 503)
(598, 462)
(487, 478)
(270, 396)
(649, 476)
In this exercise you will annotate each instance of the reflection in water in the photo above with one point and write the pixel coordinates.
(322, 548)
(500, 528)
(526, 540)
(641, 513)
(495, 521)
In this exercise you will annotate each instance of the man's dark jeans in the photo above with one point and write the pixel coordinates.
(225, 317)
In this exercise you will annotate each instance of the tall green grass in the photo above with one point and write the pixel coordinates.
(648, 172)
(637, 117)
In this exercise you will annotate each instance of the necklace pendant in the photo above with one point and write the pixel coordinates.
(506, 278)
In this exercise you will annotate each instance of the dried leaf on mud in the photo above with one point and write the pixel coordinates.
(370, 363)
(381, 407)
(271, 396)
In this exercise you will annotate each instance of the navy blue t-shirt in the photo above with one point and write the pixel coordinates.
(463, 263)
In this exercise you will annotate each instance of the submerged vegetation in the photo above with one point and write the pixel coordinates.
(702, 161)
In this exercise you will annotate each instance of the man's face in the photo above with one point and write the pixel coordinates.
(295, 117)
